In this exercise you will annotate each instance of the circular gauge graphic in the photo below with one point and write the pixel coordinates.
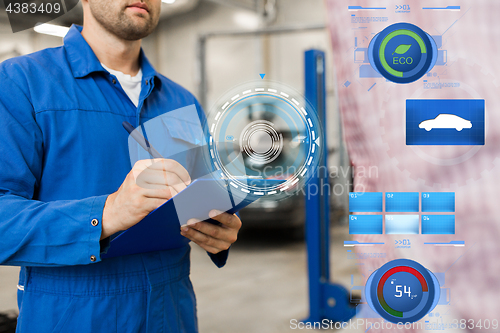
(265, 139)
(402, 53)
(402, 291)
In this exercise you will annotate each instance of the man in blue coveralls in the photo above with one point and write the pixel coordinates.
(63, 156)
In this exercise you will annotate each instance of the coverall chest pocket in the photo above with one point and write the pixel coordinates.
(178, 135)
(186, 142)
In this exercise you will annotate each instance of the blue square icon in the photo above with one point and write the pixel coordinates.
(445, 122)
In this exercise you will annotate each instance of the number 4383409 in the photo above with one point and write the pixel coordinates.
(33, 8)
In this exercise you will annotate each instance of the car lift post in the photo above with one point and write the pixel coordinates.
(326, 300)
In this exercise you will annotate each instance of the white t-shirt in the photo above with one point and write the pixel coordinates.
(130, 84)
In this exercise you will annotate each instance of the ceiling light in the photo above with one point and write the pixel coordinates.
(168, 1)
(51, 29)
(247, 20)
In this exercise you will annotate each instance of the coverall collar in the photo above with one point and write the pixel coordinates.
(83, 60)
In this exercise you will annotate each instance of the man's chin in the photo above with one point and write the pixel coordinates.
(136, 32)
(137, 16)
(139, 23)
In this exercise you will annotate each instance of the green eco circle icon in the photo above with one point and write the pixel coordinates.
(402, 53)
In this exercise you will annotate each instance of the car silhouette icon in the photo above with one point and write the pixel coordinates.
(446, 121)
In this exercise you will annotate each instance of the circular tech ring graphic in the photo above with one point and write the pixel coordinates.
(395, 148)
(260, 141)
(265, 139)
(402, 53)
(402, 291)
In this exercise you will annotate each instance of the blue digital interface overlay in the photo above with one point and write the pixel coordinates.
(443, 8)
(445, 122)
(367, 71)
(365, 8)
(364, 202)
(438, 224)
(365, 224)
(390, 52)
(401, 202)
(354, 243)
(402, 291)
(401, 224)
(443, 202)
(451, 243)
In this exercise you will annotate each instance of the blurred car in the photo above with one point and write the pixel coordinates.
(285, 214)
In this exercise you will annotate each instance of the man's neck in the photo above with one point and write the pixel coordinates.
(118, 54)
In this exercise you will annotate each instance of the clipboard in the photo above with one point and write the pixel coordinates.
(160, 230)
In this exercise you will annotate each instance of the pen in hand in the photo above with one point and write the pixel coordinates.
(141, 140)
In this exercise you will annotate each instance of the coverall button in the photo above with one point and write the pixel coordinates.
(114, 81)
(95, 222)
(93, 258)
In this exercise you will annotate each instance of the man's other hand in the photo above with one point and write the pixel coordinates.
(148, 185)
(213, 238)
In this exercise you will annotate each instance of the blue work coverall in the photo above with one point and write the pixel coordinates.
(62, 152)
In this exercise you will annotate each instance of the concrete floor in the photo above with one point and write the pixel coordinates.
(262, 287)
(264, 284)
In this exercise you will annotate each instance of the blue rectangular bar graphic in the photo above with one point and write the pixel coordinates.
(439, 40)
(354, 243)
(401, 202)
(443, 202)
(366, 71)
(451, 243)
(438, 224)
(401, 224)
(443, 8)
(361, 8)
(445, 122)
(365, 202)
(365, 224)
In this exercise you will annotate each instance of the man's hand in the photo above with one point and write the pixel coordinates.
(148, 185)
(213, 238)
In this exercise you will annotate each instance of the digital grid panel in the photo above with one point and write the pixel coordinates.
(438, 224)
(402, 202)
(402, 224)
(443, 202)
(365, 202)
(365, 224)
